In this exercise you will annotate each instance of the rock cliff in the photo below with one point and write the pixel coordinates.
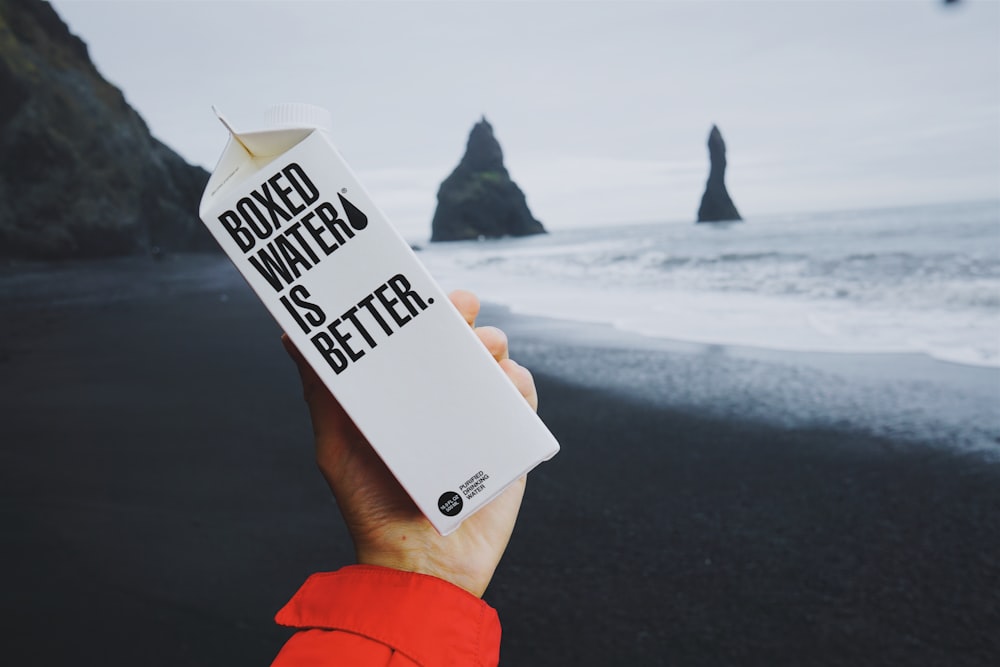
(80, 174)
(716, 205)
(478, 199)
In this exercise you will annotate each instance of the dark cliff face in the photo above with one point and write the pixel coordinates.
(478, 199)
(80, 175)
(716, 205)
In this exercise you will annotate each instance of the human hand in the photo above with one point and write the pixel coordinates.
(385, 524)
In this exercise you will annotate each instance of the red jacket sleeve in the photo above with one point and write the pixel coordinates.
(366, 616)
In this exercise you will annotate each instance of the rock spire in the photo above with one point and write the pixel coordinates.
(478, 199)
(716, 205)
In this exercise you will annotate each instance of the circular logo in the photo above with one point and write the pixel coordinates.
(450, 503)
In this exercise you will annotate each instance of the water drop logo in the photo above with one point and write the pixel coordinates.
(355, 216)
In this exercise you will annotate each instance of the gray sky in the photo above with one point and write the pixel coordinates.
(602, 108)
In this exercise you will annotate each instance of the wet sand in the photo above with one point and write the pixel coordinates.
(160, 502)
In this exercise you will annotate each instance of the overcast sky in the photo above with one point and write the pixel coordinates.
(602, 108)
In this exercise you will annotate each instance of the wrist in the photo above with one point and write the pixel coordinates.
(423, 561)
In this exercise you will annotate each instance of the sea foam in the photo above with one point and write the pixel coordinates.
(910, 280)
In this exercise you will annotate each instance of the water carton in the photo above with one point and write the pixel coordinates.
(369, 318)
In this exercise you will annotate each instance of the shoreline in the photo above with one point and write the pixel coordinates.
(906, 396)
(914, 365)
(31, 285)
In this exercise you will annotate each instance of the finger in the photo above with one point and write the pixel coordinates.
(467, 304)
(495, 341)
(522, 379)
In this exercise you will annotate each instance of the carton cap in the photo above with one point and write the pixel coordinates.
(293, 115)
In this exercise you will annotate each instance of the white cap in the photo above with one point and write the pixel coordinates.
(293, 115)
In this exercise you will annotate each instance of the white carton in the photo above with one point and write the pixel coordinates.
(368, 317)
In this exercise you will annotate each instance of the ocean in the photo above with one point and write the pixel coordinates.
(898, 280)
(885, 322)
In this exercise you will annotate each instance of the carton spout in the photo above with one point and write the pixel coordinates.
(232, 132)
(249, 151)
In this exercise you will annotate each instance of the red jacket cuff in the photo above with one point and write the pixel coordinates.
(427, 619)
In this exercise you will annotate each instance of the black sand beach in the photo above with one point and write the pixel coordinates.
(160, 503)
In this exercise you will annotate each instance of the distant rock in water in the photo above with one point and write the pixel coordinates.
(716, 205)
(80, 174)
(478, 199)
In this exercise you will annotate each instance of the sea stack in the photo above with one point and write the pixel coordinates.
(479, 200)
(716, 205)
(80, 174)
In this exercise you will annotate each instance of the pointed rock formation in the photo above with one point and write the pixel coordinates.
(478, 199)
(80, 174)
(716, 206)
